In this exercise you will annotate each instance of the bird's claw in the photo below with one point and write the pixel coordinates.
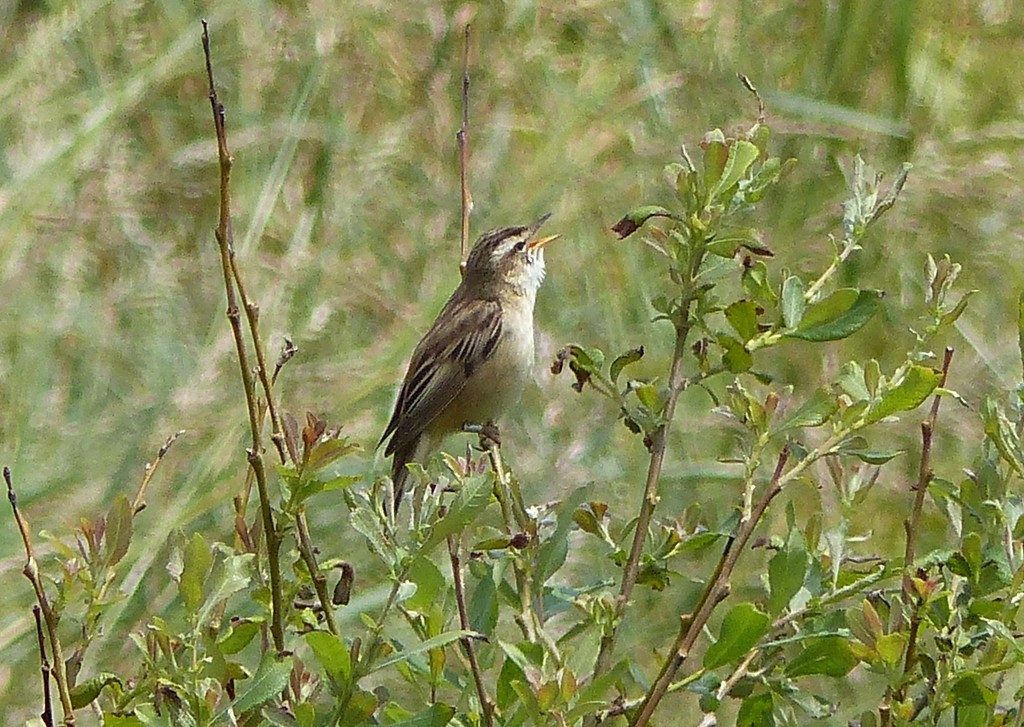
(489, 434)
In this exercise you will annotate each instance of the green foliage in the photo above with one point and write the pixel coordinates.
(822, 619)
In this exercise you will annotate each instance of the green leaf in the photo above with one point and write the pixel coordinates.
(270, 679)
(716, 154)
(872, 376)
(229, 575)
(828, 655)
(430, 584)
(917, 384)
(118, 534)
(329, 451)
(742, 316)
(591, 697)
(83, 694)
(891, 647)
(786, 571)
(648, 396)
(332, 654)
(363, 521)
(631, 356)
(813, 413)
(437, 715)
(361, 706)
(423, 646)
(728, 240)
(499, 543)
(196, 561)
(483, 605)
(735, 355)
(340, 482)
(511, 672)
(793, 302)
(970, 690)
(553, 551)
(742, 628)
(239, 634)
(872, 456)
(864, 624)
(756, 284)
(583, 362)
(838, 316)
(592, 358)
(971, 550)
(953, 315)
(999, 430)
(741, 155)
(470, 501)
(766, 176)
(756, 711)
(852, 380)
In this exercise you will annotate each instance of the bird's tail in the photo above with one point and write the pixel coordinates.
(400, 474)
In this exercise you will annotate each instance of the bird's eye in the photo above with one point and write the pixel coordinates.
(519, 247)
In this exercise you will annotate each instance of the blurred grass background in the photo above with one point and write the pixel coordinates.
(341, 118)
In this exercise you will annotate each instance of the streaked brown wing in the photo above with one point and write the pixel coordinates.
(463, 337)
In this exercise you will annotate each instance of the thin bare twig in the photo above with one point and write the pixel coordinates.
(288, 350)
(31, 571)
(911, 525)
(225, 241)
(762, 114)
(137, 502)
(44, 667)
(463, 138)
(486, 703)
(925, 473)
(526, 619)
(252, 315)
(319, 579)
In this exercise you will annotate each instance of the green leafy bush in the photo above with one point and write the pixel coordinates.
(490, 614)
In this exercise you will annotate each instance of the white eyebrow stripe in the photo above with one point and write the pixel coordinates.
(502, 249)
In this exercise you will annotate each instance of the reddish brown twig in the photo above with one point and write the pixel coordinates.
(225, 241)
(463, 138)
(486, 703)
(31, 571)
(911, 525)
(137, 501)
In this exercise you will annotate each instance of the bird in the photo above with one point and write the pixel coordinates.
(474, 361)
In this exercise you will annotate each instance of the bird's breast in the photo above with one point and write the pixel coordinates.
(504, 375)
(495, 387)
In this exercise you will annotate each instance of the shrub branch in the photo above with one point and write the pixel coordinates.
(677, 384)
(486, 704)
(44, 666)
(225, 241)
(138, 503)
(308, 554)
(463, 138)
(31, 571)
(912, 524)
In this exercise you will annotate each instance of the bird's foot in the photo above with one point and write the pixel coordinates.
(489, 434)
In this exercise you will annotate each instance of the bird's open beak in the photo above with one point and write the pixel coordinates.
(541, 242)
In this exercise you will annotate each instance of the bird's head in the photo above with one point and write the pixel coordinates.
(509, 257)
